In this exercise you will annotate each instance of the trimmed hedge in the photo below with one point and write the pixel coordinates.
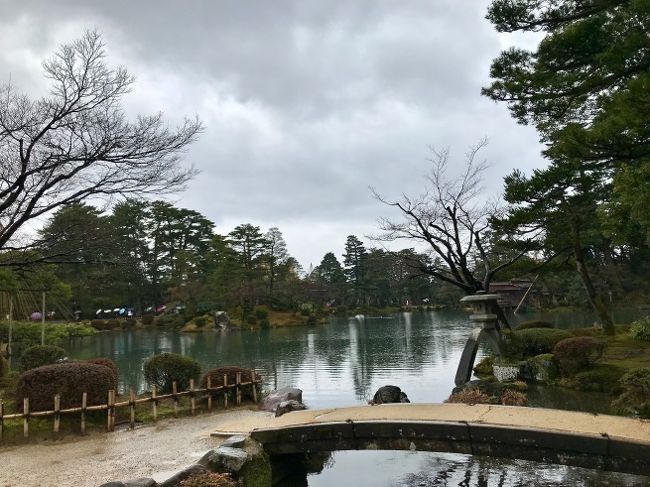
(230, 371)
(640, 329)
(164, 369)
(532, 341)
(39, 355)
(106, 363)
(577, 353)
(525, 325)
(70, 380)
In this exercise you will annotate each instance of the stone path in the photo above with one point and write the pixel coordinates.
(157, 451)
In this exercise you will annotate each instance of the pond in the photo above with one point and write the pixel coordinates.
(343, 363)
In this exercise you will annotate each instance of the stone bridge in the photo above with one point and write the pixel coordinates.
(564, 437)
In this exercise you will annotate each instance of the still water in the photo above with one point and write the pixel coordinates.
(343, 363)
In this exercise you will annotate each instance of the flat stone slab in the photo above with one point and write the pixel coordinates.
(520, 417)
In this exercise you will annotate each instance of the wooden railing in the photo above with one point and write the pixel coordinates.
(112, 404)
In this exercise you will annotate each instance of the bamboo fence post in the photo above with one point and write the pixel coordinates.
(225, 391)
(238, 388)
(154, 403)
(132, 407)
(208, 387)
(57, 412)
(175, 397)
(110, 411)
(26, 417)
(2, 411)
(192, 399)
(254, 385)
(84, 403)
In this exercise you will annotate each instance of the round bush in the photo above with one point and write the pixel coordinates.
(577, 353)
(200, 321)
(230, 371)
(70, 380)
(525, 325)
(469, 396)
(147, 320)
(640, 329)
(106, 363)
(40, 355)
(532, 341)
(164, 369)
(98, 324)
(514, 398)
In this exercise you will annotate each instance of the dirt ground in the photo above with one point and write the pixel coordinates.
(156, 451)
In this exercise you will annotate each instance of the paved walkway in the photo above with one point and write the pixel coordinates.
(636, 430)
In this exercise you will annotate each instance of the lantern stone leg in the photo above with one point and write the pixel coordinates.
(486, 328)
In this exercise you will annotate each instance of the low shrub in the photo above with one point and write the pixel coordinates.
(209, 479)
(525, 325)
(128, 323)
(261, 313)
(200, 321)
(469, 396)
(112, 324)
(164, 369)
(98, 324)
(602, 378)
(251, 320)
(635, 398)
(484, 367)
(511, 397)
(147, 320)
(532, 341)
(311, 320)
(230, 371)
(640, 329)
(39, 355)
(70, 380)
(577, 353)
(106, 363)
(172, 320)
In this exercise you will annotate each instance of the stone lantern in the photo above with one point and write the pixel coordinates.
(485, 318)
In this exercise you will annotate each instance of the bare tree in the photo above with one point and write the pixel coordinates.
(77, 143)
(453, 221)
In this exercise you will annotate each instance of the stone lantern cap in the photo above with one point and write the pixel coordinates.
(478, 298)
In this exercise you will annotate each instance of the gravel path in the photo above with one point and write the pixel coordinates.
(156, 451)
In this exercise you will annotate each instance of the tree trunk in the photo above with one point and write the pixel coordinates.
(594, 298)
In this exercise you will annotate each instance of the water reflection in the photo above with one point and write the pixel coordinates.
(419, 469)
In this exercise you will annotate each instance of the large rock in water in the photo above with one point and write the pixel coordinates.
(273, 400)
(389, 394)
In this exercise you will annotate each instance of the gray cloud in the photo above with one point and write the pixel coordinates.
(305, 104)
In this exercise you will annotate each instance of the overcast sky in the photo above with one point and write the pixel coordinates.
(305, 103)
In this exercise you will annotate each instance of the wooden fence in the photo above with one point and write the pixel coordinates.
(111, 405)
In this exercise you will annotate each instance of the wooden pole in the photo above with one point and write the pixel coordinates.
(132, 406)
(43, 319)
(208, 387)
(57, 412)
(238, 387)
(2, 412)
(192, 398)
(254, 385)
(84, 403)
(26, 417)
(225, 391)
(154, 403)
(175, 397)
